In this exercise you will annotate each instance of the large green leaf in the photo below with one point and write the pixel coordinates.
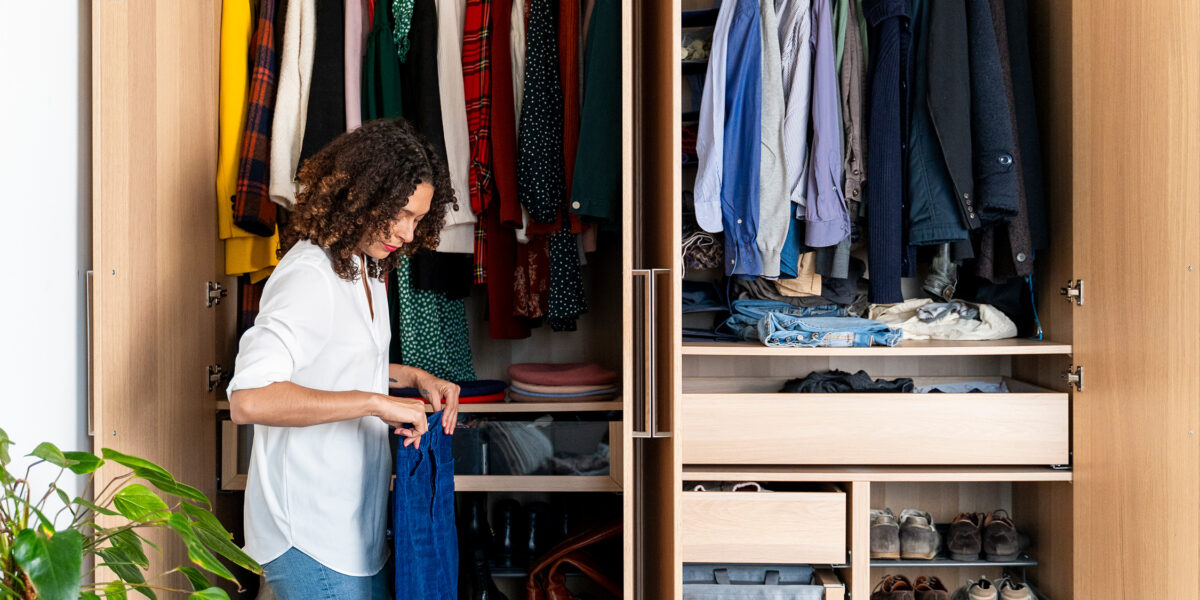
(195, 577)
(4, 444)
(212, 593)
(89, 596)
(93, 507)
(134, 462)
(51, 454)
(129, 542)
(52, 563)
(121, 564)
(214, 535)
(137, 503)
(125, 566)
(115, 590)
(170, 486)
(84, 462)
(197, 551)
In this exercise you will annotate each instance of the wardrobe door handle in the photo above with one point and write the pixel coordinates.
(657, 276)
(643, 353)
(91, 394)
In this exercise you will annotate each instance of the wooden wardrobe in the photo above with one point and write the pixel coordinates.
(1105, 477)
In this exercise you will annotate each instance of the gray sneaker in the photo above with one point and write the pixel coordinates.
(885, 534)
(919, 540)
(1012, 590)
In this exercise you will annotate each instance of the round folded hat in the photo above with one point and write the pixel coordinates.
(517, 396)
(562, 374)
(560, 389)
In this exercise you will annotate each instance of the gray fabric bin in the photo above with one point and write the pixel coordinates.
(743, 582)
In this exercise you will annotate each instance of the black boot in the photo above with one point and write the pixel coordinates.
(507, 516)
(540, 537)
(483, 587)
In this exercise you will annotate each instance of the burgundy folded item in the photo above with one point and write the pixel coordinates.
(516, 396)
(497, 397)
(560, 389)
(562, 374)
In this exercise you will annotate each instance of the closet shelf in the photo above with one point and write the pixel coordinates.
(535, 483)
(538, 407)
(1010, 347)
(838, 473)
(943, 561)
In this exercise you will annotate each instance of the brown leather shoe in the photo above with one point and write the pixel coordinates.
(893, 587)
(1000, 539)
(931, 588)
(964, 540)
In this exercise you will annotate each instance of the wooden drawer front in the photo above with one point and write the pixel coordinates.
(876, 429)
(764, 527)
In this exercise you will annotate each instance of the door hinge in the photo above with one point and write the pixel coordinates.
(215, 376)
(213, 293)
(1074, 376)
(1073, 291)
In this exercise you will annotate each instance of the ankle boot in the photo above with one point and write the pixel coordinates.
(482, 587)
(538, 536)
(473, 529)
(507, 516)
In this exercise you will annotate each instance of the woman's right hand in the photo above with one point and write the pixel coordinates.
(406, 416)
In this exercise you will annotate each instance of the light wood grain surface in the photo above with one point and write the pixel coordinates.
(858, 429)
(1136, 68)
(777, 527)
(154, 142)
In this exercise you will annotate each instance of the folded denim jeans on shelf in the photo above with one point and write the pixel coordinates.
(747, 314)
(782, 330)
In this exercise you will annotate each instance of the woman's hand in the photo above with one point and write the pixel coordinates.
(405, 415)
(443, 395)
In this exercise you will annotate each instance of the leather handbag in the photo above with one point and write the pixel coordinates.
(547, 578)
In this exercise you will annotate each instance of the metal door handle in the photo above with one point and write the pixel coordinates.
(91, 394)
(643, 353)
(657, 275)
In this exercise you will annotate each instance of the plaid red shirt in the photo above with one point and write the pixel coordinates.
(477, 85)
(253, 209)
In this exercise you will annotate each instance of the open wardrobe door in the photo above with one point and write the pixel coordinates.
(653, 323)
(154, 131)
(1137, 331)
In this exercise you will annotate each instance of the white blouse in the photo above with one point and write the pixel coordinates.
(321, 489)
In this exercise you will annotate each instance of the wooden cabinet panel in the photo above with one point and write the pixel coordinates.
(1137, 335)
(766, 527)
(876, 429)
(154, 95)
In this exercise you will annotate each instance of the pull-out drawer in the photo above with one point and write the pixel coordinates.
(764, 527)
(1025, 426)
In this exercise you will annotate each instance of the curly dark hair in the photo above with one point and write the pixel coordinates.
(352, 189)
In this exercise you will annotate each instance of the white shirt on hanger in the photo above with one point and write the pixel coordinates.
(459, 233)
(291, 99)
(321, 489)
(710, 134)
(796, 52)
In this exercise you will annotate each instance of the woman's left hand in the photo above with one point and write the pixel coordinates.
(443, 395)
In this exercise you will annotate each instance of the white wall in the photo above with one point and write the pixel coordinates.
(45, 212)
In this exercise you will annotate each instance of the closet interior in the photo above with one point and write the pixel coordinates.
(829, 456)
(1092, 470)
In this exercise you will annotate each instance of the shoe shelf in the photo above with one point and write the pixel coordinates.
(1009, 347)
(873, 474)
(945, 561)
(535, 483)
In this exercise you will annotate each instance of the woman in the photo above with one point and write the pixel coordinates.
(312, 374)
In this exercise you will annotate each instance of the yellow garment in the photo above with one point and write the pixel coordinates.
(244, 251)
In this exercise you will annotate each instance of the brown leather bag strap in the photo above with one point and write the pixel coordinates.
(586, 562)
(533, 584)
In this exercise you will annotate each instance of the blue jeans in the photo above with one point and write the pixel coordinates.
(780, 330)
(747, 313)
(426, 542)
(297, 576)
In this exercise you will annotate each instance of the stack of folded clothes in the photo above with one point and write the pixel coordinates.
(561, 382)
(470, 392)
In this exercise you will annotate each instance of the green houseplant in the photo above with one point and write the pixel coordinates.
(40, 561)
